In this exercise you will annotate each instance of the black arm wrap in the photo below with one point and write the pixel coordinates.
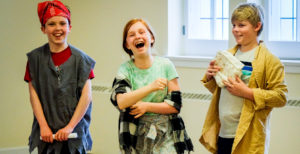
(176, 98)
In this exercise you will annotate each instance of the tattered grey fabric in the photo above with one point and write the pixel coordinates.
(155, 135)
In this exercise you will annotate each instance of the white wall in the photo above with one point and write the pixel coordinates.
(97, 29)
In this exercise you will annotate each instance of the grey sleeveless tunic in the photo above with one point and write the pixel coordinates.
(59, 90)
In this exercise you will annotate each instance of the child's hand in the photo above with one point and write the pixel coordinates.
(238, 88)
(212, 70)
(62, 134)
(138, 109)
(159, 84)
(46, 134)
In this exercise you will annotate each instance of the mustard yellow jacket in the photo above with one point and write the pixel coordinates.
(269, 90)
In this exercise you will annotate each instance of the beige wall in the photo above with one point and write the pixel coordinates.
(97, 29)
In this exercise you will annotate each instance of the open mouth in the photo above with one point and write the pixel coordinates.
(140, 45)
(58, 34)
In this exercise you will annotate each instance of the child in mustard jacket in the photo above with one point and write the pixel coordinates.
(237, 121)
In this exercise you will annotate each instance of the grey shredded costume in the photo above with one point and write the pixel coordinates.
(59, 91)
(128, 125)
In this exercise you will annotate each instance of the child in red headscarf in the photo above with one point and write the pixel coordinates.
(59, 78)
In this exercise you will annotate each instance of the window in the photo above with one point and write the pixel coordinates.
(282, 18)
(197, 29)
(202, 30)
(283, 28)
(208, 20)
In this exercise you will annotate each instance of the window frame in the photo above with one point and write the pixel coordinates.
(207, 45)
(214, 17)
(181, 57)
(184, 45)
(277, 46)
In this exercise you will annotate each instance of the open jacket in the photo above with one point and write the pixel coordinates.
(269, 90)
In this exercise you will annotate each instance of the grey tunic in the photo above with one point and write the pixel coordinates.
(59, 90)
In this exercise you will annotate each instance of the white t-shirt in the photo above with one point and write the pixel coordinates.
(230, 106)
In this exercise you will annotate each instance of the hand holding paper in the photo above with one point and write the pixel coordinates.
(230, 67)
(71, 136)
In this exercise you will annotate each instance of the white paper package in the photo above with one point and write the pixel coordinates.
(230, 67)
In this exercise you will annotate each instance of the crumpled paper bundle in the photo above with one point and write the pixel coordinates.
(230, 67)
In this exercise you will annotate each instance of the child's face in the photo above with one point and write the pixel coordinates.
(139, 39)
(244, 32)
(57, 29)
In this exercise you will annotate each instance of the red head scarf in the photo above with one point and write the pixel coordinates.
(48, 9)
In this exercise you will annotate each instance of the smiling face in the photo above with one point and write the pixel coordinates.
(138, 38)
(247, 24)
(57, 29)
(245, 33)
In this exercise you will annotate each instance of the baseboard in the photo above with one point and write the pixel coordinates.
(21, 150)
(16, 150)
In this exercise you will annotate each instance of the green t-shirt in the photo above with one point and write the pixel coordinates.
(161, 68)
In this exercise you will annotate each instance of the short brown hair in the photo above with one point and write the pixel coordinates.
(126, 29)
(251, 12)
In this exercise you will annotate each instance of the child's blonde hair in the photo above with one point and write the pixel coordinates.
(251, 12)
